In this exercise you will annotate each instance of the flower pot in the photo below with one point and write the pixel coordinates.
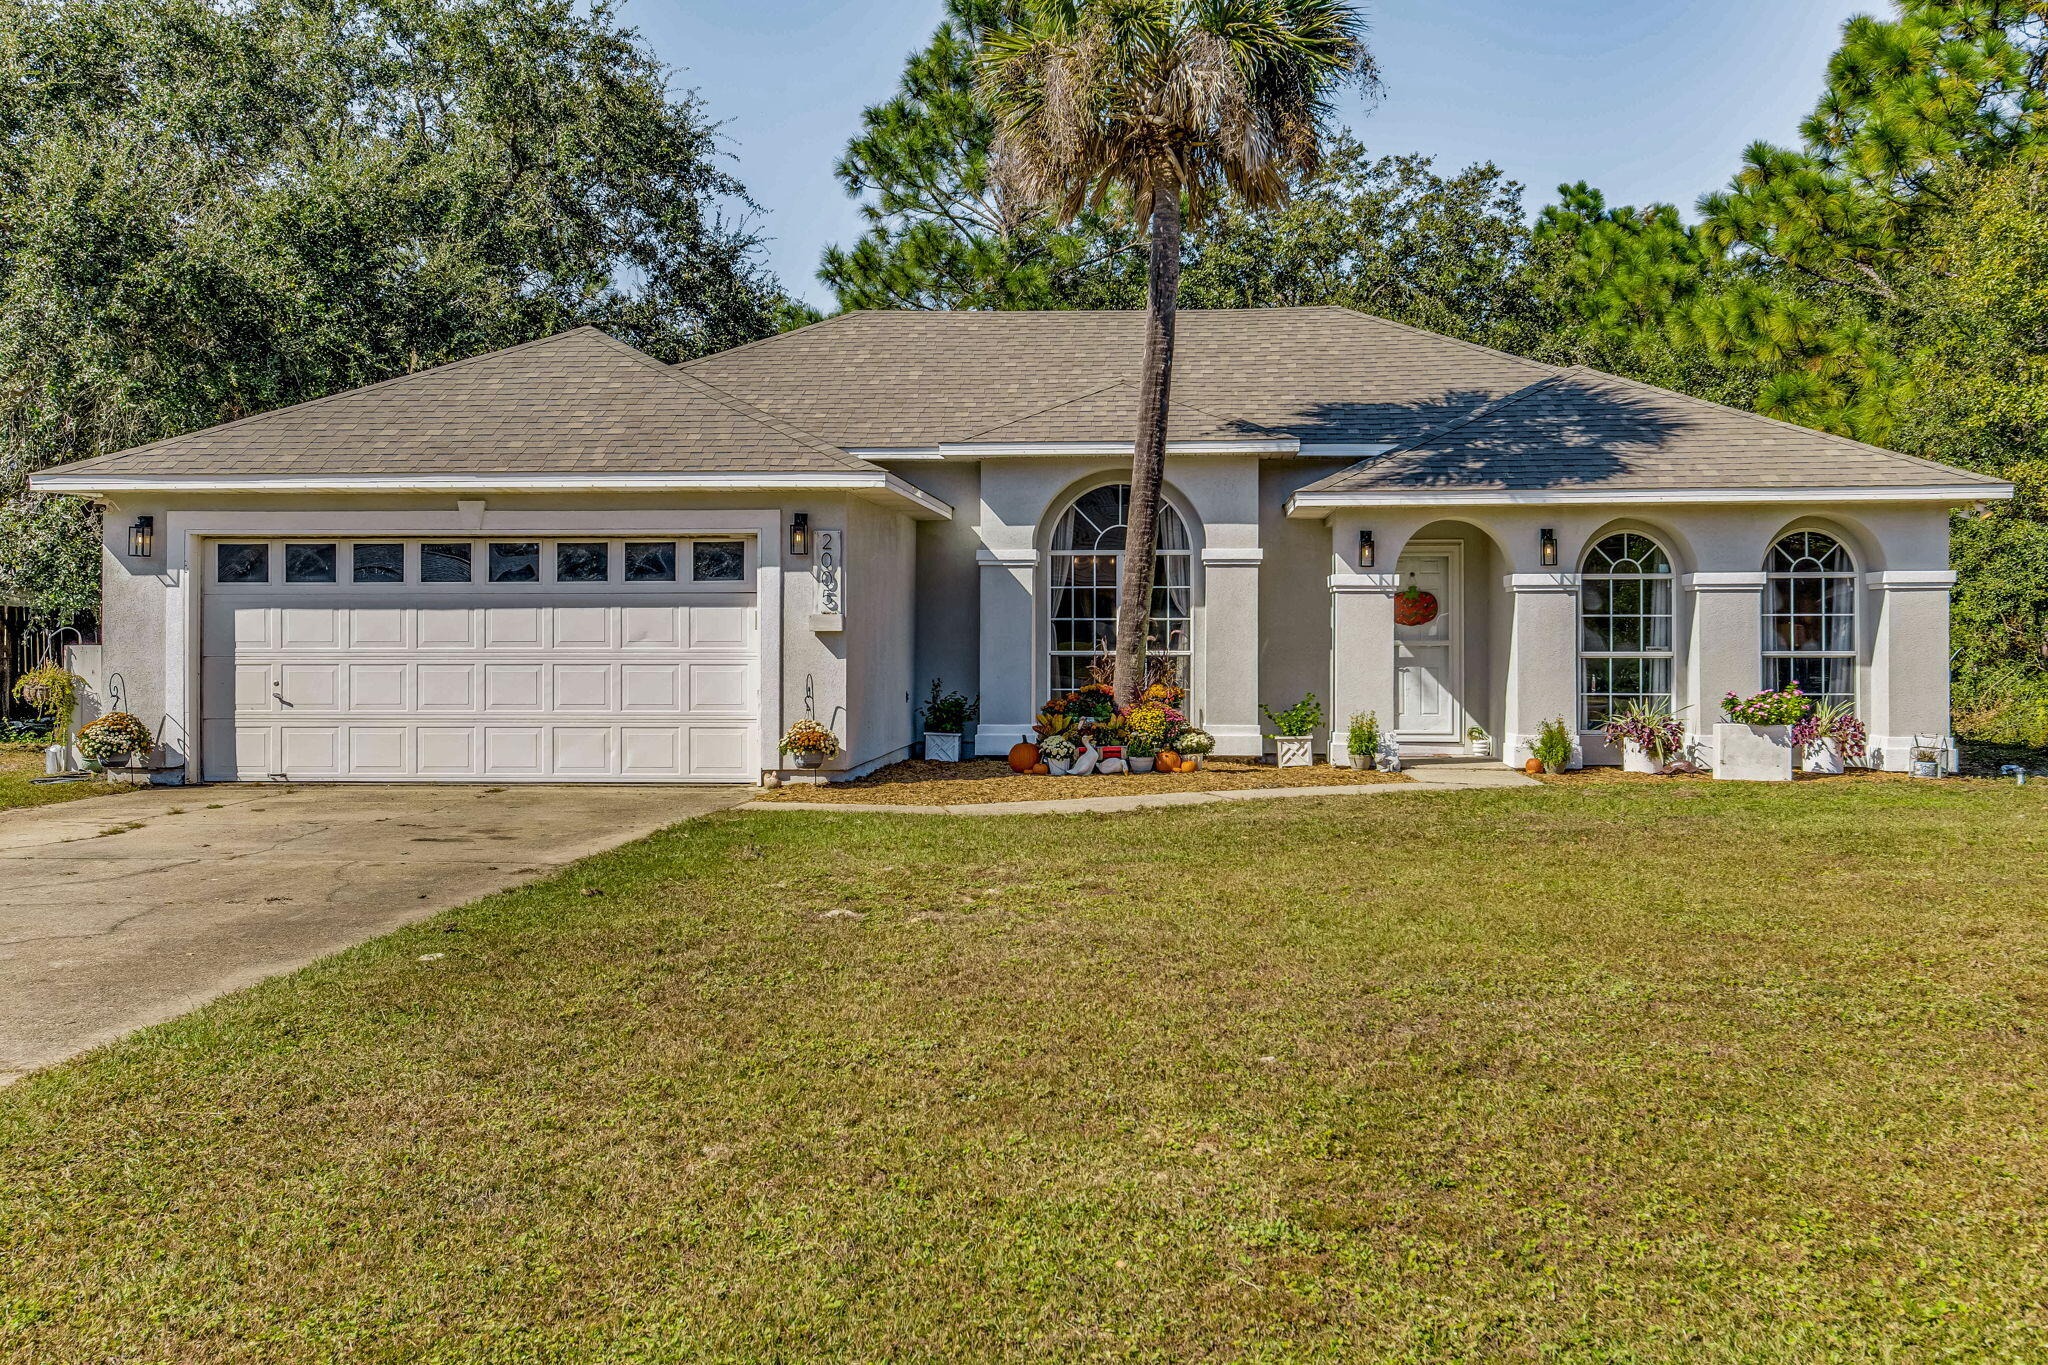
(940, 748)
(1191, 763)
(1479, 748)
(1634, 760)
(806, 759)
(1294, 751)
(1826, 757)
(1553, 768)
(1059, 769)
(1927, 767)
(1361, 762)
(1144, 764)
(1752, 753)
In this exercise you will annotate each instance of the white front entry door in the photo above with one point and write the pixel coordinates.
(1427, 657)
(594, 666)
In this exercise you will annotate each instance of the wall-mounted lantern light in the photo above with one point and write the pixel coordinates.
(1549, 548)
(142, 537)
(800, 535)
(1365, 549)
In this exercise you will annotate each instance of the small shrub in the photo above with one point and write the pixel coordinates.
(947, 713)
(1554, 744)
(1302, 718)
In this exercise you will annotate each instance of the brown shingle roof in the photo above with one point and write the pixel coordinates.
(1581, 428)
(578, 402)
(1114, 408)
(881, 379)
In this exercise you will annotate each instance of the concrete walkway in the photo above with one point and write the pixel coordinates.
(1426, 774)
(126, 911)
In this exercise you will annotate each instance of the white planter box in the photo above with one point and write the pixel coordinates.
(1753, 753)
(1294, 751)
(1634, 760)
(1826, 759)
(940, 748)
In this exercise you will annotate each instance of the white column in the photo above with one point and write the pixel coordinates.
(1543, 662)
(1228, 698)
(1009, 660)
(1908, 691)
(1361, 652)
(1725, 651)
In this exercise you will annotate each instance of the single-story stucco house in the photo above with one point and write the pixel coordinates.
(567, 561)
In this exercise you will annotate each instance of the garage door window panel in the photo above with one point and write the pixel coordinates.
(241, 563)
(718, 561)
(304, 563)
(650, 561)
(582, 561)
(515, 561)
(383, 562)
(445, 562)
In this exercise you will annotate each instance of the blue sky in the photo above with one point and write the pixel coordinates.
(1646, 99)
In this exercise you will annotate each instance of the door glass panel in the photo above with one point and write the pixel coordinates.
(309, 563)
(582, 562)
(242, 563)
(378, 563)
(718, 561)
(515, 562)
(650, 561)
(447, 563)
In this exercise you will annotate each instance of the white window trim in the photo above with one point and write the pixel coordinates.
(1669, 654)
(1851, 576)
(1044, 614)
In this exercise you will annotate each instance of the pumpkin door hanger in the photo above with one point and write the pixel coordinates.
(1414, 607)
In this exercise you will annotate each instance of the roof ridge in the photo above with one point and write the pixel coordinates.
(338, 394)
(1768, 420)
(1040, 412)
(840, 316)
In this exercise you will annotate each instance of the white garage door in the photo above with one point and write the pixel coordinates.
(481, 660)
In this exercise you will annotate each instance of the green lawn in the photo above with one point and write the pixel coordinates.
(1616, 1074)
(19, 763)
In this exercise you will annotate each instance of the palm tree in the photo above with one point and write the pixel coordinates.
(1160, 106)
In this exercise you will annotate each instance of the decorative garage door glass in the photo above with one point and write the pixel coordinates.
(483, 660)
(1810, 617)
(1087, 556)
(1625, 628)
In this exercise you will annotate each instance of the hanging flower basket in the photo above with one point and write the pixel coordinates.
(1414, 607)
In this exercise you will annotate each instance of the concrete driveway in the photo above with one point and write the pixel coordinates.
(124, 911)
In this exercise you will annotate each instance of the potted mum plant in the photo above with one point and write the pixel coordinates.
(1647, 733)
(1141, 752)
(946, 716)
(1058, 752)
(1193, 746)
(1294, 731)
(1828, 735)
(809, 743)
(1753, 743)
(113, 739)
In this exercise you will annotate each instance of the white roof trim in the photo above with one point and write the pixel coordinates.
(853, 481)
(1343, 450)
(1315, 504)
(896, 452)
(1280, 445)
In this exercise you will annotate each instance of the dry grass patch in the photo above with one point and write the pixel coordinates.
(919, 783)
(1619, 1073)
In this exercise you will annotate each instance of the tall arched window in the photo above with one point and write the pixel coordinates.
(1087, 556)
(1625, 627)
(1810, 617)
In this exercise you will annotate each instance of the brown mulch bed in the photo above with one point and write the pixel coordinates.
(918, 783)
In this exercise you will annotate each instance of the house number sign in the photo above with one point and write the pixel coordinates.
(829, 568)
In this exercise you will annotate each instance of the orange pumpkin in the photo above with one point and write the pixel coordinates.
(1023, 756)
(1168, 761)
(1041, 770)
(1534, 765)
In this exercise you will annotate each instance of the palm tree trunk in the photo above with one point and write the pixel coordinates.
(1148, 455)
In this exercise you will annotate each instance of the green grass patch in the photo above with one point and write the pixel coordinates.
(1614, 1074)
(18, 764)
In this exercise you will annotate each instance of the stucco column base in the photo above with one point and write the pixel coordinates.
(1725, 650)
(1543, 663)
(1227, 685)
(1908, 692)
(1361, 653)
(1008, 654)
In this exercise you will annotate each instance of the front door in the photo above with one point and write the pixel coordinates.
(1427, 656)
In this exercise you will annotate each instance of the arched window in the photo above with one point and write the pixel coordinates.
(1625, 627)
(1810, 617)
(1087, 556)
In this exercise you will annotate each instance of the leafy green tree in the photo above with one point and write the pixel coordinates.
(1167, 105)
(943, 230)
(208, 210)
